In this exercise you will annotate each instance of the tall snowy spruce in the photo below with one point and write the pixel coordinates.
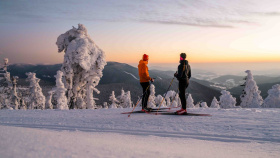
(83, 64)
(36, 97)
(250, 97)
(215, 103)
(226, 100)
(273, 98)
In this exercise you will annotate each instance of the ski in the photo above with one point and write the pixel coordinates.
(183, 114)
(152, 111)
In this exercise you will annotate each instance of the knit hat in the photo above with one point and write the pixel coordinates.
(145, 57)
(183, 55)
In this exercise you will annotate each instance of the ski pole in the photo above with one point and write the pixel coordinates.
(138, 101)
(165, 95)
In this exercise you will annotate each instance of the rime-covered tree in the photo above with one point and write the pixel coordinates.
(105, 105)
(273, 98)
(190, 101)
(169, 94)
(83, 64)
(14, 96)
(127, 100)
(160, 100)
(121, 98)
(250, 97)
(226, 100)
(113, 101)
(151, 100)
(49, 104)
(215, 103)
(204, 105)
(37, 99)
(22, 104)
(59, 92)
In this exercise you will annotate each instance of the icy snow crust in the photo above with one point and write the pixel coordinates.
(235, 131)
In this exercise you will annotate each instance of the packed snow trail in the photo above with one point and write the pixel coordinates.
(240, 132)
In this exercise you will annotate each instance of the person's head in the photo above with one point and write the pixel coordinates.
(145, 57)
(183, 56)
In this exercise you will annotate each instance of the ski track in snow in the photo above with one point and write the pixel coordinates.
(131, 75)
(229, 133)
(232, 125)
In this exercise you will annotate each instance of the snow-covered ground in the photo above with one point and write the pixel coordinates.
(107, 133)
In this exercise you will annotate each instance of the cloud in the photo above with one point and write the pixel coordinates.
(201, 13)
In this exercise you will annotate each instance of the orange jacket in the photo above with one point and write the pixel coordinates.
(143, 71)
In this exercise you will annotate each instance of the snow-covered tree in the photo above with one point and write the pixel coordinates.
(105, 105)
(226, 100)
(160, 100)
(204, 105)
(250, 97)
(59, 90)
(190, 101)
(37, 99)
(22, 104)
(215, 103)
(14, 96)
(83, 65)
(169, 94)
(273, 98)
(121, 98)
(151, 100)
(127, 100)
(113, 101)
(49, 104)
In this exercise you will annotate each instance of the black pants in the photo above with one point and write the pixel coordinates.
(146, 93)
(183, 85)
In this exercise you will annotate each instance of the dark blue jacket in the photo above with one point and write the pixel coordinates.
(184, 74)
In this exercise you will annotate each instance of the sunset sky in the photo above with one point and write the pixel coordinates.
(208, 31)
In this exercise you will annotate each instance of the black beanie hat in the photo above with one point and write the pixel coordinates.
(183, 55)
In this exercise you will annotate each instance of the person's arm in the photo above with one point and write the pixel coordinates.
(190, 73)
(179, 74)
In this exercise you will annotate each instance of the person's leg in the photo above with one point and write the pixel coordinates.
(146, 93)
(182, 91)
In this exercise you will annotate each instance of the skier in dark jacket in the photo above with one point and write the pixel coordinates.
(183, 75)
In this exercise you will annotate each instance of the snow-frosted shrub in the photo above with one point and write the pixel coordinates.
(113, 101)
(226, 100)
(214, 103)
(251, 97)
(37, 99)
(151, 100)
(160, 100)
(204, 105)
(83, 64)
(190, 101)
(273, 98)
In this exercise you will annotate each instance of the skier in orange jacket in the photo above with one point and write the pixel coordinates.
(145, 81)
